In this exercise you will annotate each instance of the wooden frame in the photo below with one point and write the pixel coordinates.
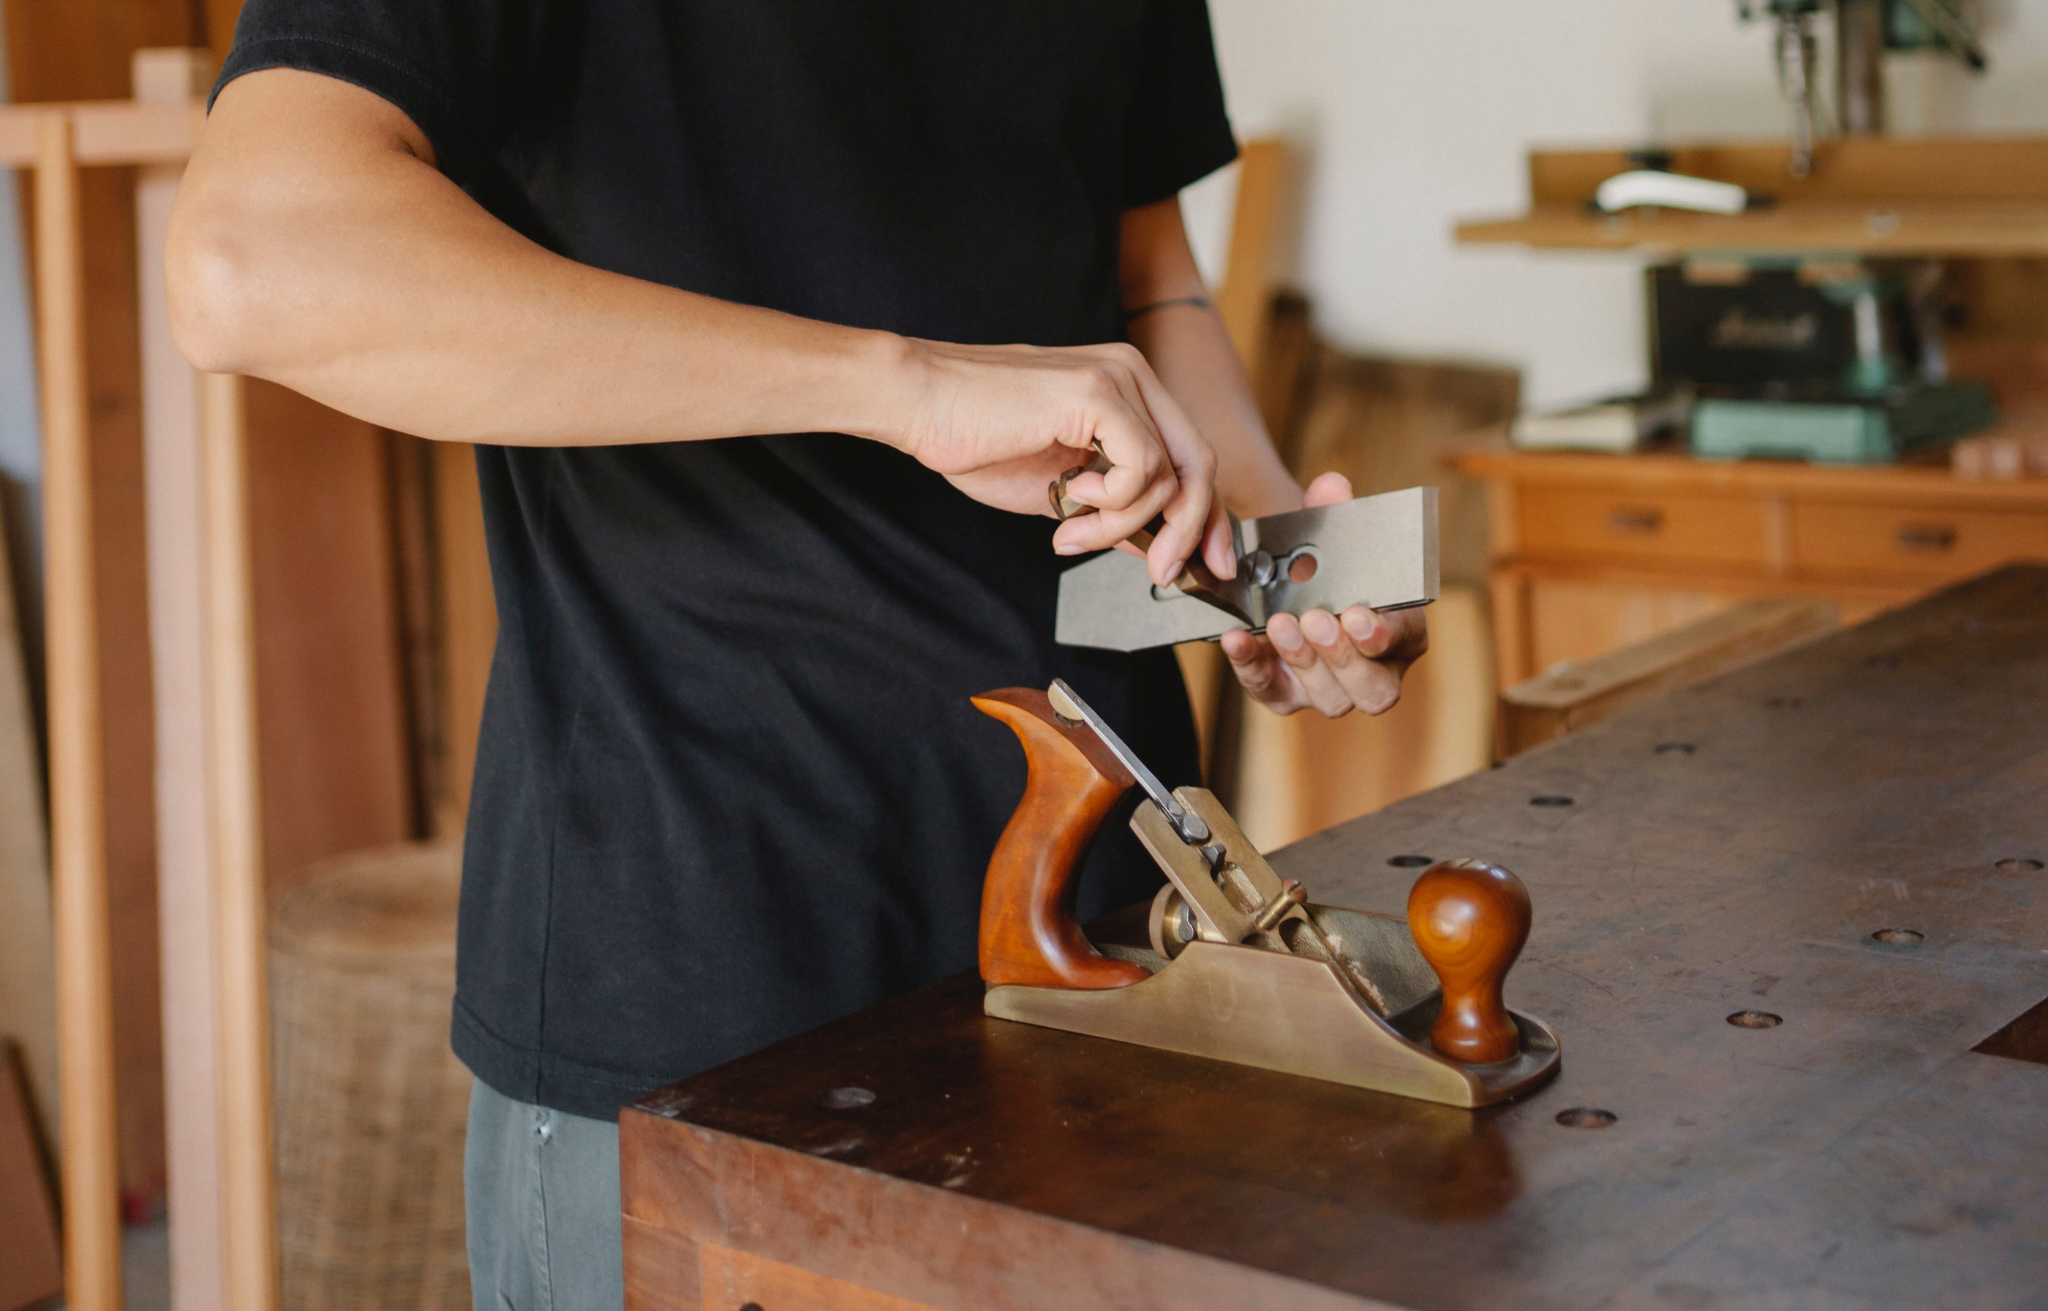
(228, 1247)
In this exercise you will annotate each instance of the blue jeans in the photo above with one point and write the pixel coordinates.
(541, 1200)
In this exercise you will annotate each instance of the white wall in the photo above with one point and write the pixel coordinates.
(1417, 112)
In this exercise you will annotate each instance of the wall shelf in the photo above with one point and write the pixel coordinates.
(1976, 197)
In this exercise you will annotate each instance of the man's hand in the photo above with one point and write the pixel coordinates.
(1003, 422)
(1335, 663)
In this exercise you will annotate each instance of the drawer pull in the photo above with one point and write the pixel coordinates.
(1925, 537)
(1634, 519)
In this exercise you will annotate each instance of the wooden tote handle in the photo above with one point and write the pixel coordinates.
(1470, 919)
(1028, 932)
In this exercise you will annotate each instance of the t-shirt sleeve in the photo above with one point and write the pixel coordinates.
(452, 66)
(1178, 131)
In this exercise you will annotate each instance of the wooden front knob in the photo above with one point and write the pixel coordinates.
(1028, 932)
(1470, 919)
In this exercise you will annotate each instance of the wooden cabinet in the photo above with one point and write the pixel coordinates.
(1592, 552)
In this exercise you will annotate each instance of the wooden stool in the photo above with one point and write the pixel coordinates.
(371, 1103)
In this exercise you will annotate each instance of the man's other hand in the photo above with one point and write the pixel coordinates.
(1002, 423)
(1334, 663)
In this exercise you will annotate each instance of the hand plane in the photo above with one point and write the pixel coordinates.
(1377, 551)
(1240, 966)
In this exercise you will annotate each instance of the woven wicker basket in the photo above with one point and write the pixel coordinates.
(371, 1104)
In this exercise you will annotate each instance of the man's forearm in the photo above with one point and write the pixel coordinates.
(364, 278)
(1184, 339)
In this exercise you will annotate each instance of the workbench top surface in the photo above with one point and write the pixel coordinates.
(1730, 848)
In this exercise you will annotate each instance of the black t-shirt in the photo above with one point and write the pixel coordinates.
(729, 784)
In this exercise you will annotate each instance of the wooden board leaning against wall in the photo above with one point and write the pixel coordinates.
(1385, 424)
(336, 768)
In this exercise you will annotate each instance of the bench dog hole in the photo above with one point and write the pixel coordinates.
(2019, 862)
(1675, 748)
(1586, 1117)
(1755, 1020)
(1550, 801)
(1409, 862)
(847, 1099)
(1899, 937)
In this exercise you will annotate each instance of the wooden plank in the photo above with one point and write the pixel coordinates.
(78, 836)
(1386, 424)
(1906, 228)
(81, 51)
(1893, 484)
(917, 1240)
(1272, 339)
(1699, 593)
(1246, 296)
(1561, 700)
(1304, 773)
(660, 1268)
(117, 133)
(28, 998)
(1973, 196)
(1576, 619)
(78, 57)
(410, 461)
(733, 1278)
(1001, 1165)
(336, 774)
(469, 617)
(2000, 304)
(31, 1264)
(220, 25)
(128, 727)
(1860, 169)
(1508, 594)
(170, 435)
(109, 132)
(241, 980)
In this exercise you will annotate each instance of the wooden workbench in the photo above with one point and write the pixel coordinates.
(1729, 849)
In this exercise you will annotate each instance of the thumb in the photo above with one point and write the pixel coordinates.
(1327, 489)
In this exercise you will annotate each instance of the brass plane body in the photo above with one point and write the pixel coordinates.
(1322, 991)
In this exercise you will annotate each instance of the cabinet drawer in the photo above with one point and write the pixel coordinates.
(1570, 521)
(1933, 543)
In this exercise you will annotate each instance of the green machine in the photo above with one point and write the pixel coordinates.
(1845, 431)
(1822, 357)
